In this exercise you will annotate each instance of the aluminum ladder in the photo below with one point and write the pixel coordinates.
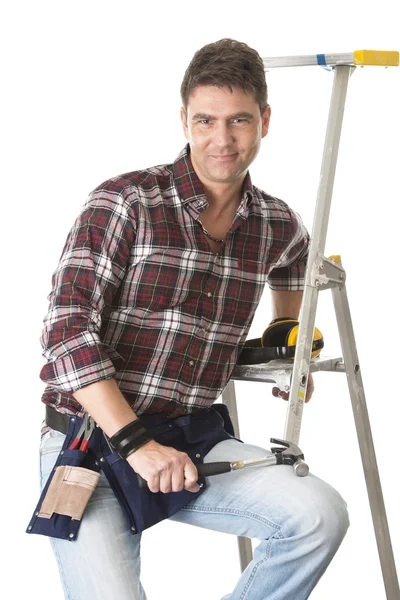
(327, 273)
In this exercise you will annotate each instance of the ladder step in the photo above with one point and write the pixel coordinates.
(275, 370)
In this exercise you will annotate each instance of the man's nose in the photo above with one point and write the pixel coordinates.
(223, 135)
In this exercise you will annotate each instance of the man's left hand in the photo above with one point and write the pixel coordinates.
(285, 395)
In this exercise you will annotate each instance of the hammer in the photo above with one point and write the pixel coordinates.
(289, 454)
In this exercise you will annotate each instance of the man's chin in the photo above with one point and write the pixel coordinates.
(221, 179)
(225, 175)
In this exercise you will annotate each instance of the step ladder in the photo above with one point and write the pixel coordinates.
(326, 273)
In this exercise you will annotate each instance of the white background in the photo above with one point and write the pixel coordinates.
(92, 90)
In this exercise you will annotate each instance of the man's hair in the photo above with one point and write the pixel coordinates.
(227, 63)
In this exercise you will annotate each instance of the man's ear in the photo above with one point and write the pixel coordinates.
(184, 123)
(265, 121)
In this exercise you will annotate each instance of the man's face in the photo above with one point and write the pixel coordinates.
(224, 130)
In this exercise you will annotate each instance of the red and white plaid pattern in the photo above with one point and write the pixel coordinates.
(138, 295)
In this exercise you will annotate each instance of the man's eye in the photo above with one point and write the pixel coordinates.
(205, 121)
(239, 120)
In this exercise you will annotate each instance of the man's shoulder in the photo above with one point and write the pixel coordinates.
(158, 176)
(272, 207)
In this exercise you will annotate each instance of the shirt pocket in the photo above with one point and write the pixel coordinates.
(163, 277)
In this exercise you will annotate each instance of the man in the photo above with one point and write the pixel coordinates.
(151, 304)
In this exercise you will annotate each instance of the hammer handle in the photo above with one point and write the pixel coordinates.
(204, 470)
(213, 468)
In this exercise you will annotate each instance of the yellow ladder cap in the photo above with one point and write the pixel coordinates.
(378, 58)
(336, 258)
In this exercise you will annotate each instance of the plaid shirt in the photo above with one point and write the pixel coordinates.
(138, 294)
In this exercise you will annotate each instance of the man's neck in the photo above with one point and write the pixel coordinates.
(222, 197)
(223, 202)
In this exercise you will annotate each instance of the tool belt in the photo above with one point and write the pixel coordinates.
(194, 434)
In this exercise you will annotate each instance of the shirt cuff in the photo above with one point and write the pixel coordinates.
(78, 362)
(290, 279)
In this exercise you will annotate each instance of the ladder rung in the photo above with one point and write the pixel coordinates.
(380, 58)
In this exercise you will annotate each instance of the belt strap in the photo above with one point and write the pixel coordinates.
(56, 420)
(59, 421)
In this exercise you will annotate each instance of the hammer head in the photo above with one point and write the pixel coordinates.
(290, 453)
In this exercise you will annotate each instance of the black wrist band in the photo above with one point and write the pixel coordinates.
(125, 431)
(130, 438)
(134, 445)
(133, 438)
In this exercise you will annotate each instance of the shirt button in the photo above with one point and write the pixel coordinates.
(209, 294)
(191, 363)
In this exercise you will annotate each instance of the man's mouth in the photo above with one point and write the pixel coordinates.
(223, 157)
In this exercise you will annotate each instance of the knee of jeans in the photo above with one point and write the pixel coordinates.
(334, 519)
(324, 518)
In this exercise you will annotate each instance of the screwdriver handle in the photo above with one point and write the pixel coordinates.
(204, 470)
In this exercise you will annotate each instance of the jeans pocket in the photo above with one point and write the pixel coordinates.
(52, 441)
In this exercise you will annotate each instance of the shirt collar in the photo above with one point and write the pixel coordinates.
(189, 185)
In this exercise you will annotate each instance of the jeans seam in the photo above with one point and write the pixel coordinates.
(234, 512)
(61, 568)
(255, 568)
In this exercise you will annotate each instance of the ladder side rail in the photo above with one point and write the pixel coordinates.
(366, 443)
(317, 246)
(229, 399)
(308, 60)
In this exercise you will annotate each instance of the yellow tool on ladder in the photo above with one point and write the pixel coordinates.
(327, 273)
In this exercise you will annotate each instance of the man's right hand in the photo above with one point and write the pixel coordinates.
(164, 468)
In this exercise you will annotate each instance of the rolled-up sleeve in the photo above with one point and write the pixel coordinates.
(91, 268)
(288, 271)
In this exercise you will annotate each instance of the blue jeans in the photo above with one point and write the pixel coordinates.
(300, 522)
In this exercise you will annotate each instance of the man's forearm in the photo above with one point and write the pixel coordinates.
(164, 468)
(106, 404)
(286, 304)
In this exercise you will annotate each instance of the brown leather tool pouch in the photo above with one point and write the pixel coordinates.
(69, 492)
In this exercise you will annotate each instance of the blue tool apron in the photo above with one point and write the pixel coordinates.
(194, 434)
